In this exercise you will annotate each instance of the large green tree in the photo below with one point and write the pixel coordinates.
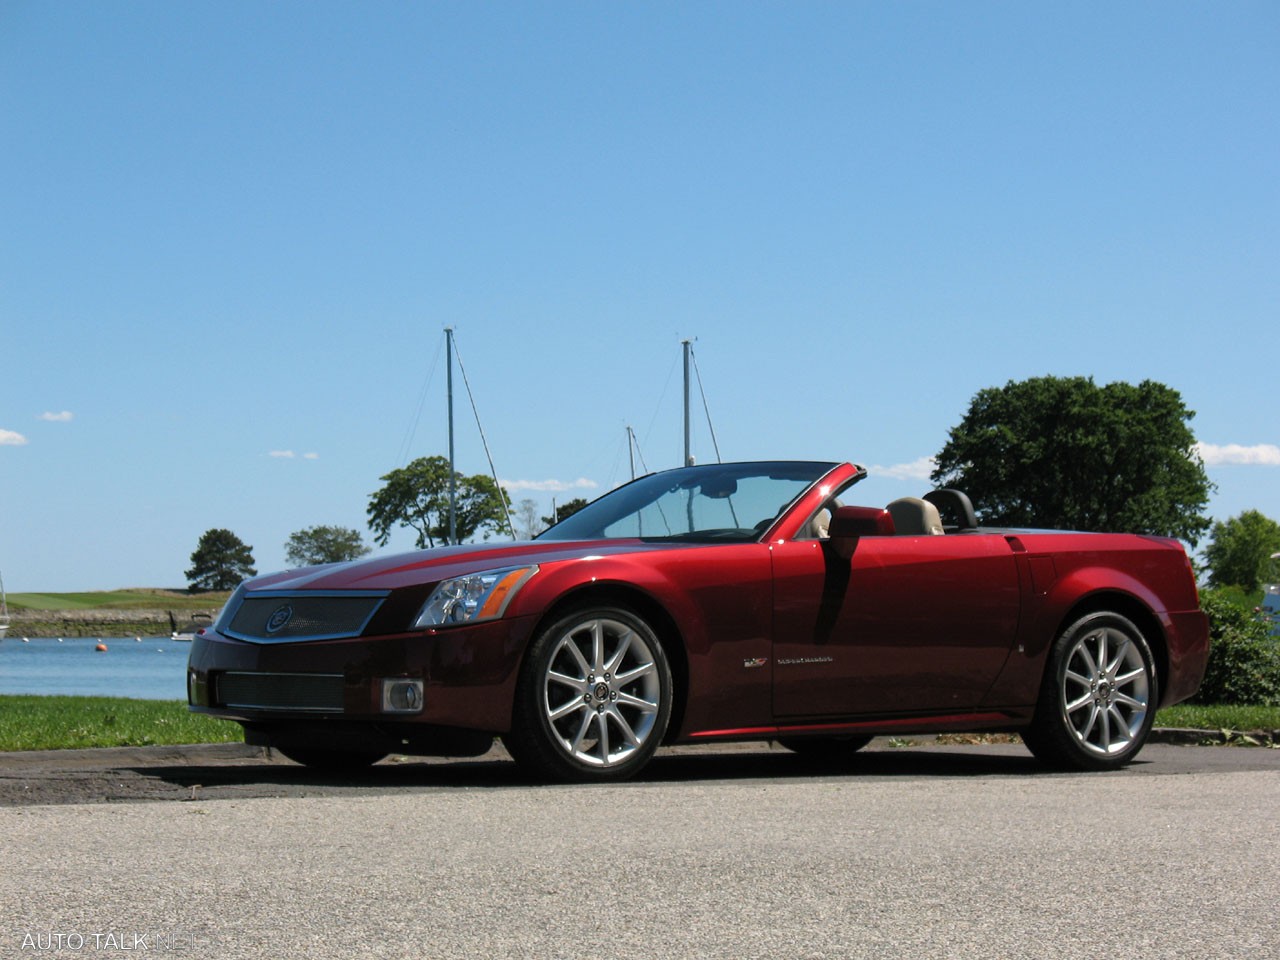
(1240, 549)
(220, 561)
(417, 496)
(322, 544)
(1062, 452)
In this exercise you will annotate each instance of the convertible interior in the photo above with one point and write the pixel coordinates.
(938, 512)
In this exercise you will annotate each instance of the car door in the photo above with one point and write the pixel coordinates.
(910, 624)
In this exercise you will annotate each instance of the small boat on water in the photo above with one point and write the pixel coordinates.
(186, 632)
(4, 609)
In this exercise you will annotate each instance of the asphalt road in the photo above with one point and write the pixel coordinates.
(747, 852)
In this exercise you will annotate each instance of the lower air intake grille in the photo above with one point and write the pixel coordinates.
(314, 692)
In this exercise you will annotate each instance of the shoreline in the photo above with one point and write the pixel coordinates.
(106, 624)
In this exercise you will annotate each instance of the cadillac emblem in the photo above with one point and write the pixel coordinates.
(279, 618)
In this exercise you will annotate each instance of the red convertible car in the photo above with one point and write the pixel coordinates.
(741, 601)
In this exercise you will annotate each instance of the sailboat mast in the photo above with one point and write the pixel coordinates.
(688, 455)
(453, 483)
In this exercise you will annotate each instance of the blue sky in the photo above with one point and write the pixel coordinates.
(231, 235)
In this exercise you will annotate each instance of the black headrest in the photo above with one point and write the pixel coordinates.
(955, 506)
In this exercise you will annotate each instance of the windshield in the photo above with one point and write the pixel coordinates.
(734, 502)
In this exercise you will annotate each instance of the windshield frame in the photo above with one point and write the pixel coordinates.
(625, 502)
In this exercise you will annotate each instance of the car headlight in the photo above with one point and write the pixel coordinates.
(477, 596)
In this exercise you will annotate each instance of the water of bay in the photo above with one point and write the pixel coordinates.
(147, 669)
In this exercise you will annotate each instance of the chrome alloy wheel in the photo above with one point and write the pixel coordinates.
(1106, 691)
(601, 692)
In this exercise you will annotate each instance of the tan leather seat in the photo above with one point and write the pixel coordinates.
(913, 517)
(821, 525)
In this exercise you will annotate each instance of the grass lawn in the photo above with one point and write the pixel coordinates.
(68, 723)
(142, 599)
(1210, 717)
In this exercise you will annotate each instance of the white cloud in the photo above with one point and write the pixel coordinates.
(915, 470)
(66, 416)
(10, 439)
(1260, 454)
(290, 455)
(549, 486)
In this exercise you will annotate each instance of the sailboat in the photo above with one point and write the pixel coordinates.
(450, 354)
(690, 364)
(4, 609)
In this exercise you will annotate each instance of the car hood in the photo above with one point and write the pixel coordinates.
(441, 563)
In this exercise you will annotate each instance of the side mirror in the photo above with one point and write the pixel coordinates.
(850, 524)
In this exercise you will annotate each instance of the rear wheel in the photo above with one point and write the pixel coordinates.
(1098, 697)
(825, 748)
(593, 699)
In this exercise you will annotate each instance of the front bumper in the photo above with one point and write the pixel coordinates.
(468, 676)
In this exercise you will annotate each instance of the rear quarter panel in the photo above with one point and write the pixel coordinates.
(1065, 575)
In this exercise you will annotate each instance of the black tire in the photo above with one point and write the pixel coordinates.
(593, 699)
(825, 748)
(331, 761)
(1098, 698)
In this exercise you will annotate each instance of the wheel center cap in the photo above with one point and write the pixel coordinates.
(602, 691)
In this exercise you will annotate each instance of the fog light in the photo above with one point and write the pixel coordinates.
(401, 696)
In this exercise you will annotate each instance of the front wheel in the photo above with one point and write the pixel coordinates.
(1098, 698)
(593, 699)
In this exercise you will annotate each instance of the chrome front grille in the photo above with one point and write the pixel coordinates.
(311, 692)
(292, 618)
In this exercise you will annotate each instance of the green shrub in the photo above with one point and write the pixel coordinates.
(1244, 599)
(1244, 662)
